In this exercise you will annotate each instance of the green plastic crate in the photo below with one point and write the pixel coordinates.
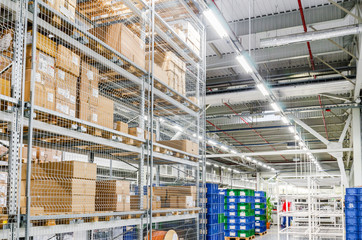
(246, 233)
(246, 213)
(260, 217)
(244, 206)
(221, 217)
(246, 192)
(260, 205)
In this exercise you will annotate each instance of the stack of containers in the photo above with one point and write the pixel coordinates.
(215, 210)
(260, 212)
(353, 212)
(239, 213)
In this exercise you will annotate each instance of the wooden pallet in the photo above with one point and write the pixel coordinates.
(261, 234)
(240, 238)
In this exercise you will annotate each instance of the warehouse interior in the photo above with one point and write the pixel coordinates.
(180, 119)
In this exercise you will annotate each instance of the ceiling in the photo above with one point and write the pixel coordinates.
(321, 95)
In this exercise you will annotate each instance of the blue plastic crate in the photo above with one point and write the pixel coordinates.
(245, 199)
(350, 198)
(231, 207)
(351, 205)
(242, 220)
(213, 198)
(221, 208)
(353, 221)
(359, 206)
(231, 214)
(260, 223)
(212, 218)
(222, 191)
(221, 227)
(350, 213)
(260, 229)
(212, 188)
(236, 227)
(231, 199)
(351, 228)
(359, 198)
(212, 229)
(351, 191)
(359, 191)
(259, 194)
(260, 211)
(212, 237)
(352, 236)
(213, 208)
(260, 200)
(231, 233)
(221, 236)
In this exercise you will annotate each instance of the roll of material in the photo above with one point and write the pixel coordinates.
(163, 235)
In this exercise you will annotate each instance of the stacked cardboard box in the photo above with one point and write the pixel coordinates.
(175, 70)
(121, 126)
(105, 112)
(135, 202)
(113, 195)
(183, 145)
(138, 132)
(190, 35)
(65, 7)
(123, 40)
(62, 186)
(175, 196)
(44, 74)
(3, 190)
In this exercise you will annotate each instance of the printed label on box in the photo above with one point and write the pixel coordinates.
(75, 60)
(61, 74)
(72, 113)
(95, 92)
(90, 75)
(232, 227)
(242, 221)
(50, 97)
(232, 193)
(119, 198)
(257, 224)
(94, 117)
(232, 220)
(38, 77)
(72, 99)
(232, 234)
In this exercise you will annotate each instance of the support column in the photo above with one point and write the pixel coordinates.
(357, 156)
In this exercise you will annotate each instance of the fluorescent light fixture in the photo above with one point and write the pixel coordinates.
(233, 152)
(254, 161)
(284, 119)
(211, 142)
(296, 137)
(208, 163)
(162, 120)
(224, 147)
(262, 89)
(222, 167)
(301, 144)
(200, 137)
(194, 135)
(264, 165)
(276, 107)
(248, 158)
(179, 128)
(244, 63)
(291, 129)
(259, 163)
(215, 23)
(273, 169)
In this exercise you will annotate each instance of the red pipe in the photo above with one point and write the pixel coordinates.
(266, 141)
(242, 144)
(324, 119)
(305, 30)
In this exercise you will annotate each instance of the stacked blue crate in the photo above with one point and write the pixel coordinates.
(215, 210)
(260, 212)
(353, 213)
(130, 233)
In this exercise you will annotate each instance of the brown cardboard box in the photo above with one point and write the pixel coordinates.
(135, 202)
(121, 126)
(66, 7)
(45, 68)
(123, 40)
(66, 108)
(68, 60)
(112, 202)
(183, 145)
(136, 131)
(158, 72)
(43, 43)
(105, 112)
(127, 203)
(44, 154)
(88, 84)
(44, 96)
(33, 210)
(24, 153)
(70, 169)
(5, 87)
(37, 172)
(114, 186)
(87, 112)
(173, 201)
(186, 201)
(66, 86)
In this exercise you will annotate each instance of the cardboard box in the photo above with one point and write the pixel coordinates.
(68, 60)
(67, 8)
(43, 43)
(70, 169)
(45, 68)
(183, 145)
(87, 112)
(135, 202)
(88, 84)
(24, 153)
(44, 96)
(186, 201)
(136, 131)
(33, 210)
(112, 202)
(5, 87)
(158, 72)
(173, 201)
(113, 186)
(37, 172)
(105, 112)
(123, 40)
(121, 126)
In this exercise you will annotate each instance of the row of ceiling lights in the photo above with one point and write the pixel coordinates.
(243, 60)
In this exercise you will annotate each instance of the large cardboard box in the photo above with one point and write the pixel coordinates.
(88, 84)
(87, 112)
(68, 60)
(183, 145)
(121, 126)
(45, 68)
(43, 43)
(70, 169)
(43, 96)
(186, 201)
(112, 202)
(123, 40)
(47, 154)
(66, 7)
(105, 112)
(158, 72)
(114, 186)
(135, 202)
(5, 87)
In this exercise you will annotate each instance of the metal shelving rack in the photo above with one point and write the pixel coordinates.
(316, 207)
(139, 96)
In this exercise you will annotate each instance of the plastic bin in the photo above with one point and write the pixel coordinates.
(260, 200)
(259, 194)
(246, 233)
(351, 205)
(245, 206)
(352, 236)
(231, 207)
(352, 191)
(212, 229)
(233, 199)
(213, 198)
(246, 192)
(260, 229)
(260, 217)
(245, 213)
(245, 199)
(260, 211)
(352, 228)
(351, 213)
(212, 188)
(212, 218)
(260, 223)
(213, 208)
(350, 198)
(260, 205)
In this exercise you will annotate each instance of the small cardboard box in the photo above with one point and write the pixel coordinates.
(5, 87)
(44, 96)
(135, 202)
(105, 112)
(70, 169)
(88, 84)
(68, 60)
(45, 68)
(121, 126)
(43, 43)
(113, 186)
(136, 131)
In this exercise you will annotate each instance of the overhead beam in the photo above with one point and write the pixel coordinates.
(283, 152)
(345, 10)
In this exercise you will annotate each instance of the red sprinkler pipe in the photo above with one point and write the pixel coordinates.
(266, 141)
(305, 30)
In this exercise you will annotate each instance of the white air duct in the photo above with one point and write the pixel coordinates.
(311, 36)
